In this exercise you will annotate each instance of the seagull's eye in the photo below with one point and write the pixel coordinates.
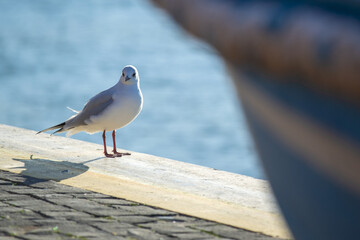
(134, 74)
(123, 74)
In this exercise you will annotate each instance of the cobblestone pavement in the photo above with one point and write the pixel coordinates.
(32, 208)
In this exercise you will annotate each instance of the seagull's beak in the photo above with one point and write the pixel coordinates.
(127, 78)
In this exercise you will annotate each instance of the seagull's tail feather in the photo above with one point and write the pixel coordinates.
(60, 128)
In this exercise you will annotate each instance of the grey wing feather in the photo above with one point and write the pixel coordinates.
(93, 107)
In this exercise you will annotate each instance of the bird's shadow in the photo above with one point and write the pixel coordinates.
(42, 170)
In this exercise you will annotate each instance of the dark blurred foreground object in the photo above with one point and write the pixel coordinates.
(296, 67)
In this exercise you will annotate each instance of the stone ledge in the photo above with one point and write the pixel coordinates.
(215, 195)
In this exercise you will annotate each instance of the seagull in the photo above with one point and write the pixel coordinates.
(109, 110)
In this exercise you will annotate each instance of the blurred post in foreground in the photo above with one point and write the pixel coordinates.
(296, 67)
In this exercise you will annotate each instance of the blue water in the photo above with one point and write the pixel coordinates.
(55, 54)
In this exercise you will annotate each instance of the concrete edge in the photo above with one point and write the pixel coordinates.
(23, 152)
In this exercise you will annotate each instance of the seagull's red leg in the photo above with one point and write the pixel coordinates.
(116, 153)
(114, 142)
(105, 151)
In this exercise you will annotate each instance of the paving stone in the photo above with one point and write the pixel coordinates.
(114, 202)
(21, 214)
(2, 191)
(76, 203)
(171, 218)
(145, 234)
(222, 230)
(9, 210)
(109, 237)
(100, 213)
(92, 220)
(66, 215)
(199, 223)
(24, 214)
(187, 220)
(89, 195)
(4, 185)
(37, 205)
(41, 230)
(17, 222)
(8, 238)
(75, 229)
(44, 184)
(168, 228)
(4, 205)
(11, 196)
(192, 236)
(104, 212)
(117, 213)
(50, 196)
(51, 222)
(31, 191)
(27, 202)
(135, 219)
(114, 228)
(146, 211)
(14, 177)
(12, 230)
(69, 190)
(14, 188)
(52, 236)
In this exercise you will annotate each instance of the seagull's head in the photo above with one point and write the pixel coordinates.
(129, 75)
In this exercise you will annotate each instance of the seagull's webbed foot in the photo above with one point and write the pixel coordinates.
(109, 155)
(117, 154)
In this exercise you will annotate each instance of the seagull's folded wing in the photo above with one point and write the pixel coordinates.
(93, 107)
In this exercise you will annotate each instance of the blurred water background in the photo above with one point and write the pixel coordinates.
(55, 54)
